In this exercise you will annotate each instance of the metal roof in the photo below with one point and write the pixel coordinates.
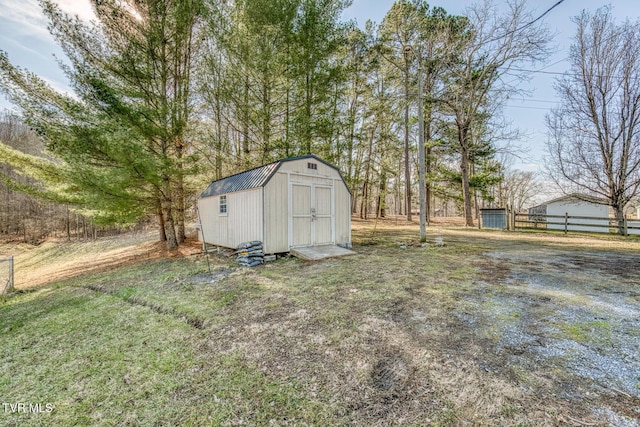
(254, 178)
(579, 197)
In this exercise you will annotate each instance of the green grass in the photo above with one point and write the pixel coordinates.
(377, 338)
(102, 359)
(597, 331)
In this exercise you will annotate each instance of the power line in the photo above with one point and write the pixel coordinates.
(528, 24)
(527, 108)
(566, 73)
(540, 71)
(535, 100)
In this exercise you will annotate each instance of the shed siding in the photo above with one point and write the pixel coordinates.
(578, 208)
(342, 213)
(242, 223)
(276, 211)
(211, 221)
(324, 175)
(300, 167)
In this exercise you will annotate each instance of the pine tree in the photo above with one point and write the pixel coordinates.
(126, 133)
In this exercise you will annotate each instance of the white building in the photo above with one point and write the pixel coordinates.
(295, 202)
(582, 207)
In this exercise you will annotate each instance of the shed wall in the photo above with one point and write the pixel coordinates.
(276, 215)
(494, 218)
(343, 213)
(300, 167)
(243, 221)
(277, 199)
(578, 208)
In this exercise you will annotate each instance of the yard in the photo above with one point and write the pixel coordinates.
(493, 328)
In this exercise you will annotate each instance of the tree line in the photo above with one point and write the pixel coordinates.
(24, 215)
(171, 94)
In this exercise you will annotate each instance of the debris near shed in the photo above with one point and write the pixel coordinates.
(250, 254)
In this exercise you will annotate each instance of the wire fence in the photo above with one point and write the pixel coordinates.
(6, 275)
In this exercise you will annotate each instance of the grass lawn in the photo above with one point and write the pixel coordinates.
(494, 328)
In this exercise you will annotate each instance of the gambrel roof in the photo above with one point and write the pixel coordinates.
(254, 178)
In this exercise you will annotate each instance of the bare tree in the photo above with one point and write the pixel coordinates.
(594, 145)
(519, 189)
(495, 45)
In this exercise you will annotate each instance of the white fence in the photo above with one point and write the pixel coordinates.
(6, 275)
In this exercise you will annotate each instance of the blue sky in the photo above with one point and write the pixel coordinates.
(23, 35)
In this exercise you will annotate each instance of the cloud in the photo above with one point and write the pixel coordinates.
(25, 17)
(82, 8)
(16, 44)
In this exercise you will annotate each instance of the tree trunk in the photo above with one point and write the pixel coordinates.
(427, 137)
(162, 235)
(307, 113)
(365, 196)
(68, 225)
(287, 113)
(245, 124)
(382, 195)
(407, 169)
(167, 215)
(619, 213)
(464, 169)
(218, 158)
(179, 207)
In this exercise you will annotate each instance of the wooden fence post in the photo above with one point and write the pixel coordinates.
(566, 220)
(624, 222)
(10, 274)
(6, 287)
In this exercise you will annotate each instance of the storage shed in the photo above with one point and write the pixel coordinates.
(494, 218)
(294, 202)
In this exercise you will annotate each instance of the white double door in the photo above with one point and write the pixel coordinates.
(311, 220)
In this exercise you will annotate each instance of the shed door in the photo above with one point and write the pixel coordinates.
(301, 210)
(322, 219)
(312, 214)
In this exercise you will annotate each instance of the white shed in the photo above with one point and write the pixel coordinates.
(295, 202)
(575, 205)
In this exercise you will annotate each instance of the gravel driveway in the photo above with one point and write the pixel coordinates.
(572, 314)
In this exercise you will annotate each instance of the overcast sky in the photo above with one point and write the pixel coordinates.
(24, 36)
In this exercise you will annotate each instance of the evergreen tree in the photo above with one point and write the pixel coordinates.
(125, 135)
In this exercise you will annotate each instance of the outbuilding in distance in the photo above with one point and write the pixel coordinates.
(294, 202)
